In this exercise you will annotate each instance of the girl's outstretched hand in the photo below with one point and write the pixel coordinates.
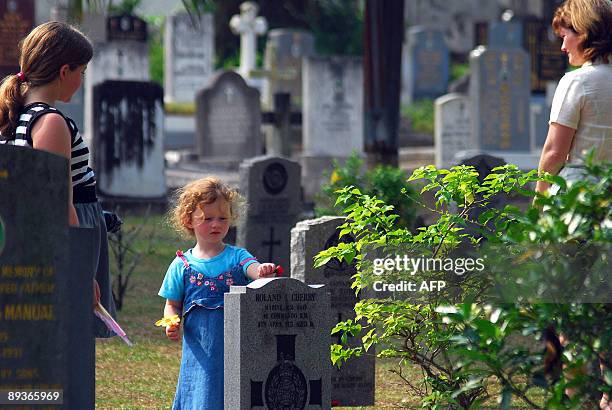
(266, 270)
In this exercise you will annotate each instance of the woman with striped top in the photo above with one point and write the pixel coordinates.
(53, 59)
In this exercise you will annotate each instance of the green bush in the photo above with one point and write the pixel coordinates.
(421, 115)
(462, 344)
(384, 182)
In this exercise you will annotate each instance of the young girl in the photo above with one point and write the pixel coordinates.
(194, 286)
(53, 59)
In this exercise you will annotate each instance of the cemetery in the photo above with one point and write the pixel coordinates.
(386, 157)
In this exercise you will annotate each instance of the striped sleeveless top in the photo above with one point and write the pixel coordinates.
(83, 179)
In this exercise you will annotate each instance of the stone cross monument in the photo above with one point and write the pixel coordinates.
(248, 26)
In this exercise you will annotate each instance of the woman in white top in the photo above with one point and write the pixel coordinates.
(581, 113)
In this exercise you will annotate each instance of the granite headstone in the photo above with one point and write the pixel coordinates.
(228, 119)
(16, 20)
(499, 97)
(128, 139)
(34, 258)
(271, 186)
(277, 346)
(190, 51)
(353, 383)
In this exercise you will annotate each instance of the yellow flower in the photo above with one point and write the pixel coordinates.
(168, 321)
(334, 177)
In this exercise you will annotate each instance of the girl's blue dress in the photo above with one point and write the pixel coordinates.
(200, 382)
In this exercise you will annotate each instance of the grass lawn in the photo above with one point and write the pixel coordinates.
(144, 376)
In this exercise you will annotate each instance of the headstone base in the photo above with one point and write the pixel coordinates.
(525, 160)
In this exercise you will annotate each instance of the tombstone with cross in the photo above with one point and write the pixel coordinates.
(271, 186)
(353, 383)
(276, 348)
(248, 26)
(228, 118)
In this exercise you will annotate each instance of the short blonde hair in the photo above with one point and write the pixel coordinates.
(201, 192)
(592, 21)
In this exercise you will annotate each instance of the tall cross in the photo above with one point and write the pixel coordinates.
(248, 26)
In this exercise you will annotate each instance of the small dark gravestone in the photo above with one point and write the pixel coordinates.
(16, 20)
(34, 257)
(277, 346)
(484, 164)
(228, 119)
(271, 186)
(128, 139)
(353, 383)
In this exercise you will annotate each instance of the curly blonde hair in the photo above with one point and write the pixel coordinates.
(201, 192)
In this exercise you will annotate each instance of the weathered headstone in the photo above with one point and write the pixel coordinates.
(427, 64)
(499, 96)
(453, 128)
(353, 383)
(121, 52)
(456, 18)
(34, 257)
(285, 49)
(248, 26)
(228, 119)
(271, 187)
(16, 21)
(332, 115)
(277, 346)
(128, 139)
(189, 56)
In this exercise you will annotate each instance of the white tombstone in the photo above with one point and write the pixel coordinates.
(453, 128)
(189, 51)
(248, 26)
(121, 59)
(332, 122)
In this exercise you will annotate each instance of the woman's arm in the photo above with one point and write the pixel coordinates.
(50, 133)
(555, 151)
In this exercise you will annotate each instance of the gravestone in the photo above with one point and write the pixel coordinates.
(534, 35)
(189, 55)
(271, 186)
(128, 139)
(121, 52)
(248, 26)
(277, 346)
(499, 96)
(285, 49)
(456, 18)
(46, 326)
(332, 115)
(16, 20)
(427, 65)
(353, 383)
(453, 128)
(33, 282)
(228, 118)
